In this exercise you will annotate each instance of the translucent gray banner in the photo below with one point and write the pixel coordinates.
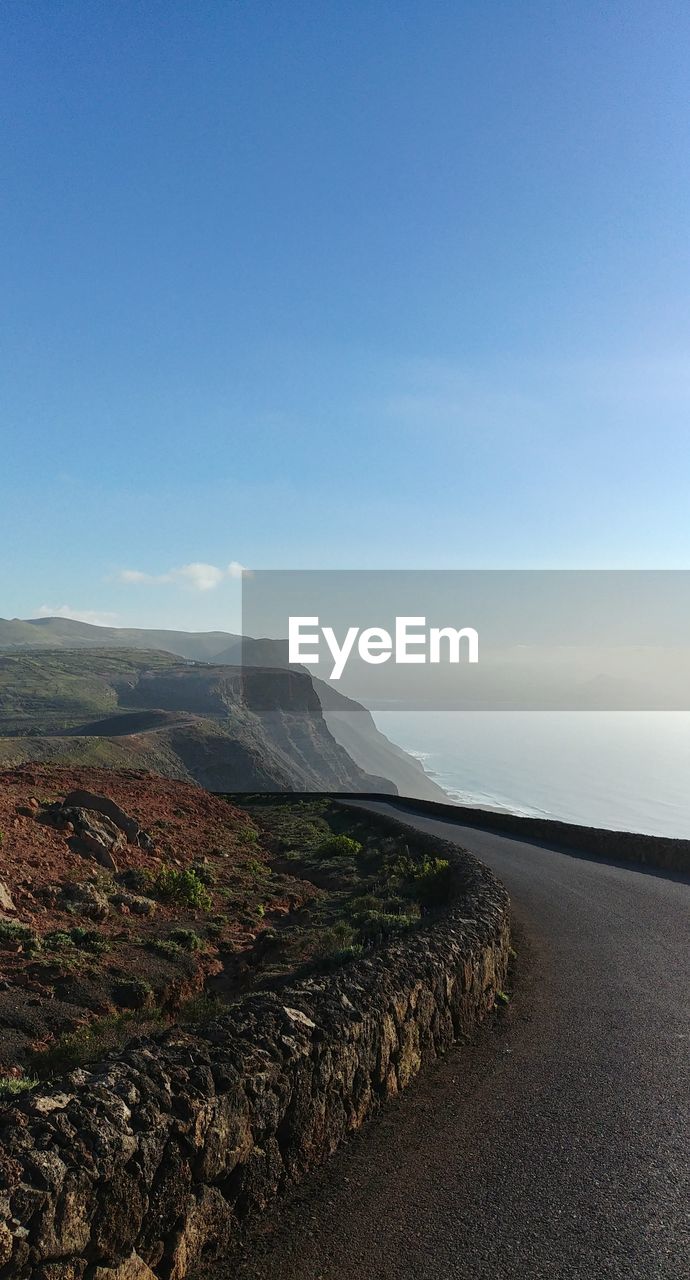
(582, 640)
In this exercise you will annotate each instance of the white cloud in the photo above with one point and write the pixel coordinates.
(203, 577)
(236, 570)
(197, 575)
(93, 616)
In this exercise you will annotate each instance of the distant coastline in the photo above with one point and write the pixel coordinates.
(454, 795)
(623, 771)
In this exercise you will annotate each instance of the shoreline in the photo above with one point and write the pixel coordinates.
(623, 776)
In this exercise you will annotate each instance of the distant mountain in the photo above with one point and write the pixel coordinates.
(228, 728)
(66, 633)
(349, 723)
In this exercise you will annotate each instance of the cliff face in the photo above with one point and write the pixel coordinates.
(217, 690)
(351, 724)
(226, 728)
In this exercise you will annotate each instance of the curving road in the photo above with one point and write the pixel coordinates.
(557, 1146)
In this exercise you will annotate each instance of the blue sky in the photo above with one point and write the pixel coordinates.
(338, 285)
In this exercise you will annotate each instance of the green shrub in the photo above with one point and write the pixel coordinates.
(164, 947)
(338, 940)
(430, 880)
(89, 940)
(187, 939)
(79, 937)
(256, 868)
(15, 935)
(343, 955)
(365, 902)
(137, 879)
(200, 1009)
(12, 1086)
(170, 884)
(88, 1043)
(339, 847)
(375, 926)
(58, 940)
(183, 887)
(204, 873)
(133, 993)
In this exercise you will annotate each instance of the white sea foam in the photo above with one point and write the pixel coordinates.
(624, 770)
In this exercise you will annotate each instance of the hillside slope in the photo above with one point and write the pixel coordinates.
(349, 723)
(223, 727)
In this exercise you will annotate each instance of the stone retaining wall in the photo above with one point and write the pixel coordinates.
(665, 852)
(147, 1165)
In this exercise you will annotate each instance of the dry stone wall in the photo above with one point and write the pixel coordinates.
(666, 852)
(147, 1165)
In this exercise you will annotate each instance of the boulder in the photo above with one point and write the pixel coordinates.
(136, 903)
(95, 836)
(91, 900)
(107, 807)
(6, 903)
(72, 1270)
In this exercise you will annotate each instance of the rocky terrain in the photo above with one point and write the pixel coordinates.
(148, 1163)
(128, 900)
(118, 892)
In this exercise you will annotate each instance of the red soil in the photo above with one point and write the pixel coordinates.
(44, 992)
(185, 823)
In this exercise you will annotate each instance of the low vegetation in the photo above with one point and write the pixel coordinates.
(12, 1086)
(221, 898)
(182, 887)
(78, 938)
(15, 936)
(93, 1040)
(372, 887)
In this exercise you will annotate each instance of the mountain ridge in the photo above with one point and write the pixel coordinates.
(349, 723)
(227, 728)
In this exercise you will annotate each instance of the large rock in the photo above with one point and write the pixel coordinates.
(91, 900)
(104, 805)
(6, 903)
(6, 1244)
(61, 1271)
(95, 835)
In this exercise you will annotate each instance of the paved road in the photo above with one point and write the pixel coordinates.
(557, 1146)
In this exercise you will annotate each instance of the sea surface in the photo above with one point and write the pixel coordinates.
(626, 770)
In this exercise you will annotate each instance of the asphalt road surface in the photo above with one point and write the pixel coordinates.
(557, 1145)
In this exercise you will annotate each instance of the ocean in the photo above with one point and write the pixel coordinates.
(625, 770)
